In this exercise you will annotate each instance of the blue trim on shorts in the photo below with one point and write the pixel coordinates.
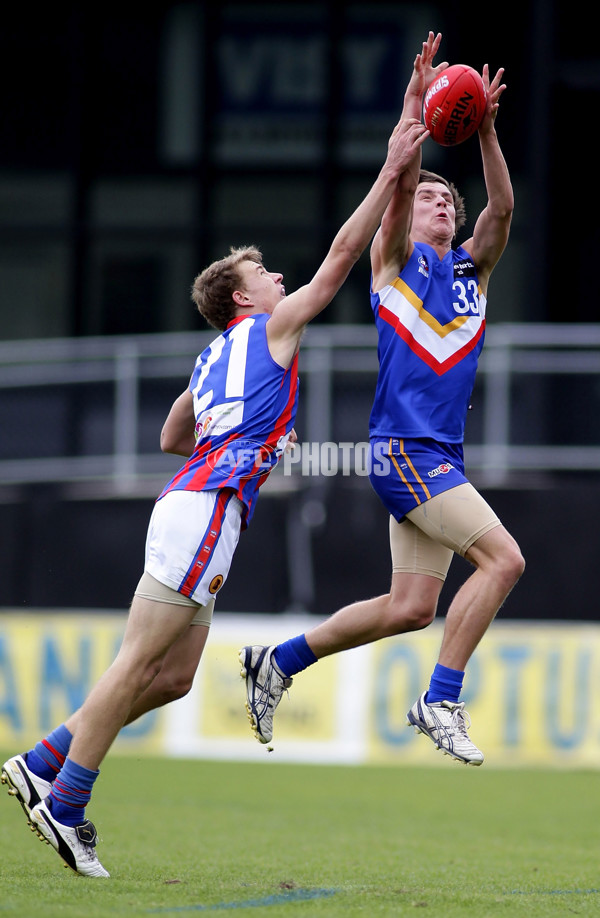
(406, 473)
(208, 543)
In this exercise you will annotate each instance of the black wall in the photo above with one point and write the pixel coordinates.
(89, 554)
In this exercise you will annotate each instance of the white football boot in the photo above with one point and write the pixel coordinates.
(445, 723)
(28, 788)
(265, 685)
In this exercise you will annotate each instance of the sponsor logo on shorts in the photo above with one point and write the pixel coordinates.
(215, 584)
(442, 469)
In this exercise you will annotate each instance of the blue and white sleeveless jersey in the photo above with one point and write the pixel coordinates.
(431, 326)
(245, 406)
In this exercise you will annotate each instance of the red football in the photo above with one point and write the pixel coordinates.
(454, 105)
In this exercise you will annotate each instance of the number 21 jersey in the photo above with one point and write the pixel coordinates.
(245, 405)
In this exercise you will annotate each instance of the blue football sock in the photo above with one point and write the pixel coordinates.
(47, 757)
(293, 656)
(446, 684)
(71, 793)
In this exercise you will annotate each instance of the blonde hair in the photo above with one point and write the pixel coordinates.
(212, 290)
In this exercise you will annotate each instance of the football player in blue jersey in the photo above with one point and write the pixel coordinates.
(232, 424)
(428, 298)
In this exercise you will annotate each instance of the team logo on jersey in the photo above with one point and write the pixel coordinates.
(442, 469)
(215, 584)
(202, 426)
(464, 268)
(423, 266)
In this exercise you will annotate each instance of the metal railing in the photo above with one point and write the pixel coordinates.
(513, 432)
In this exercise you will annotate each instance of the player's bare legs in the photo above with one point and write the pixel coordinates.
(152, 629)
(441, 717)
(499, 565)
(412, 601)
(409, 606)
(174, 679)
(176, 674)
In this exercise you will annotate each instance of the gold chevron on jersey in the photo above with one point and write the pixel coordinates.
(441, 346)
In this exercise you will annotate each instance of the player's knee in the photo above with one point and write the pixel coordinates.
(514, 563)
(135, 671)
(147, 676)
(180, 686)
(175, 691)
(420, 617)
(510, 565)
(412, 615)
(171, 686)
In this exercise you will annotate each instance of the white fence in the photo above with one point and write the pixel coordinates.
(534, 380)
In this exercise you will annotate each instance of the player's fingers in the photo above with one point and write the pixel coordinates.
(420, 138)
(416, 130)
(496, 81)
(403, 126)
(494, 96)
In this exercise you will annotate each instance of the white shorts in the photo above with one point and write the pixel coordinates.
(192, 537)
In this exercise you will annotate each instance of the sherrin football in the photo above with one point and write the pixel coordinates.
(454, 105)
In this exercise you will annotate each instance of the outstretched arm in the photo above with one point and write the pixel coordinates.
(423, 73)
(490, 234)
(391, 247)
(286, 324)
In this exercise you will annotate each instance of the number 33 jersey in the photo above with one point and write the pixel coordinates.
(431, 326)
(245, 405)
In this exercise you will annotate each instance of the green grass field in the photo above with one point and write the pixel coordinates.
(280, 840)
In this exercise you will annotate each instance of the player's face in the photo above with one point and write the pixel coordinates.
(263, 288)
(434, 215)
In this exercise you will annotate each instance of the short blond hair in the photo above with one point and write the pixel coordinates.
(212, 290)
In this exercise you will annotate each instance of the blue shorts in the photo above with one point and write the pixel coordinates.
(406, 473)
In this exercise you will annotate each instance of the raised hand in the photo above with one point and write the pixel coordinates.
(424, 71)
(494, 90)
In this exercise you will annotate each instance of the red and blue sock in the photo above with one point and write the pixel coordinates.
(71, 793)
(48, 756)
